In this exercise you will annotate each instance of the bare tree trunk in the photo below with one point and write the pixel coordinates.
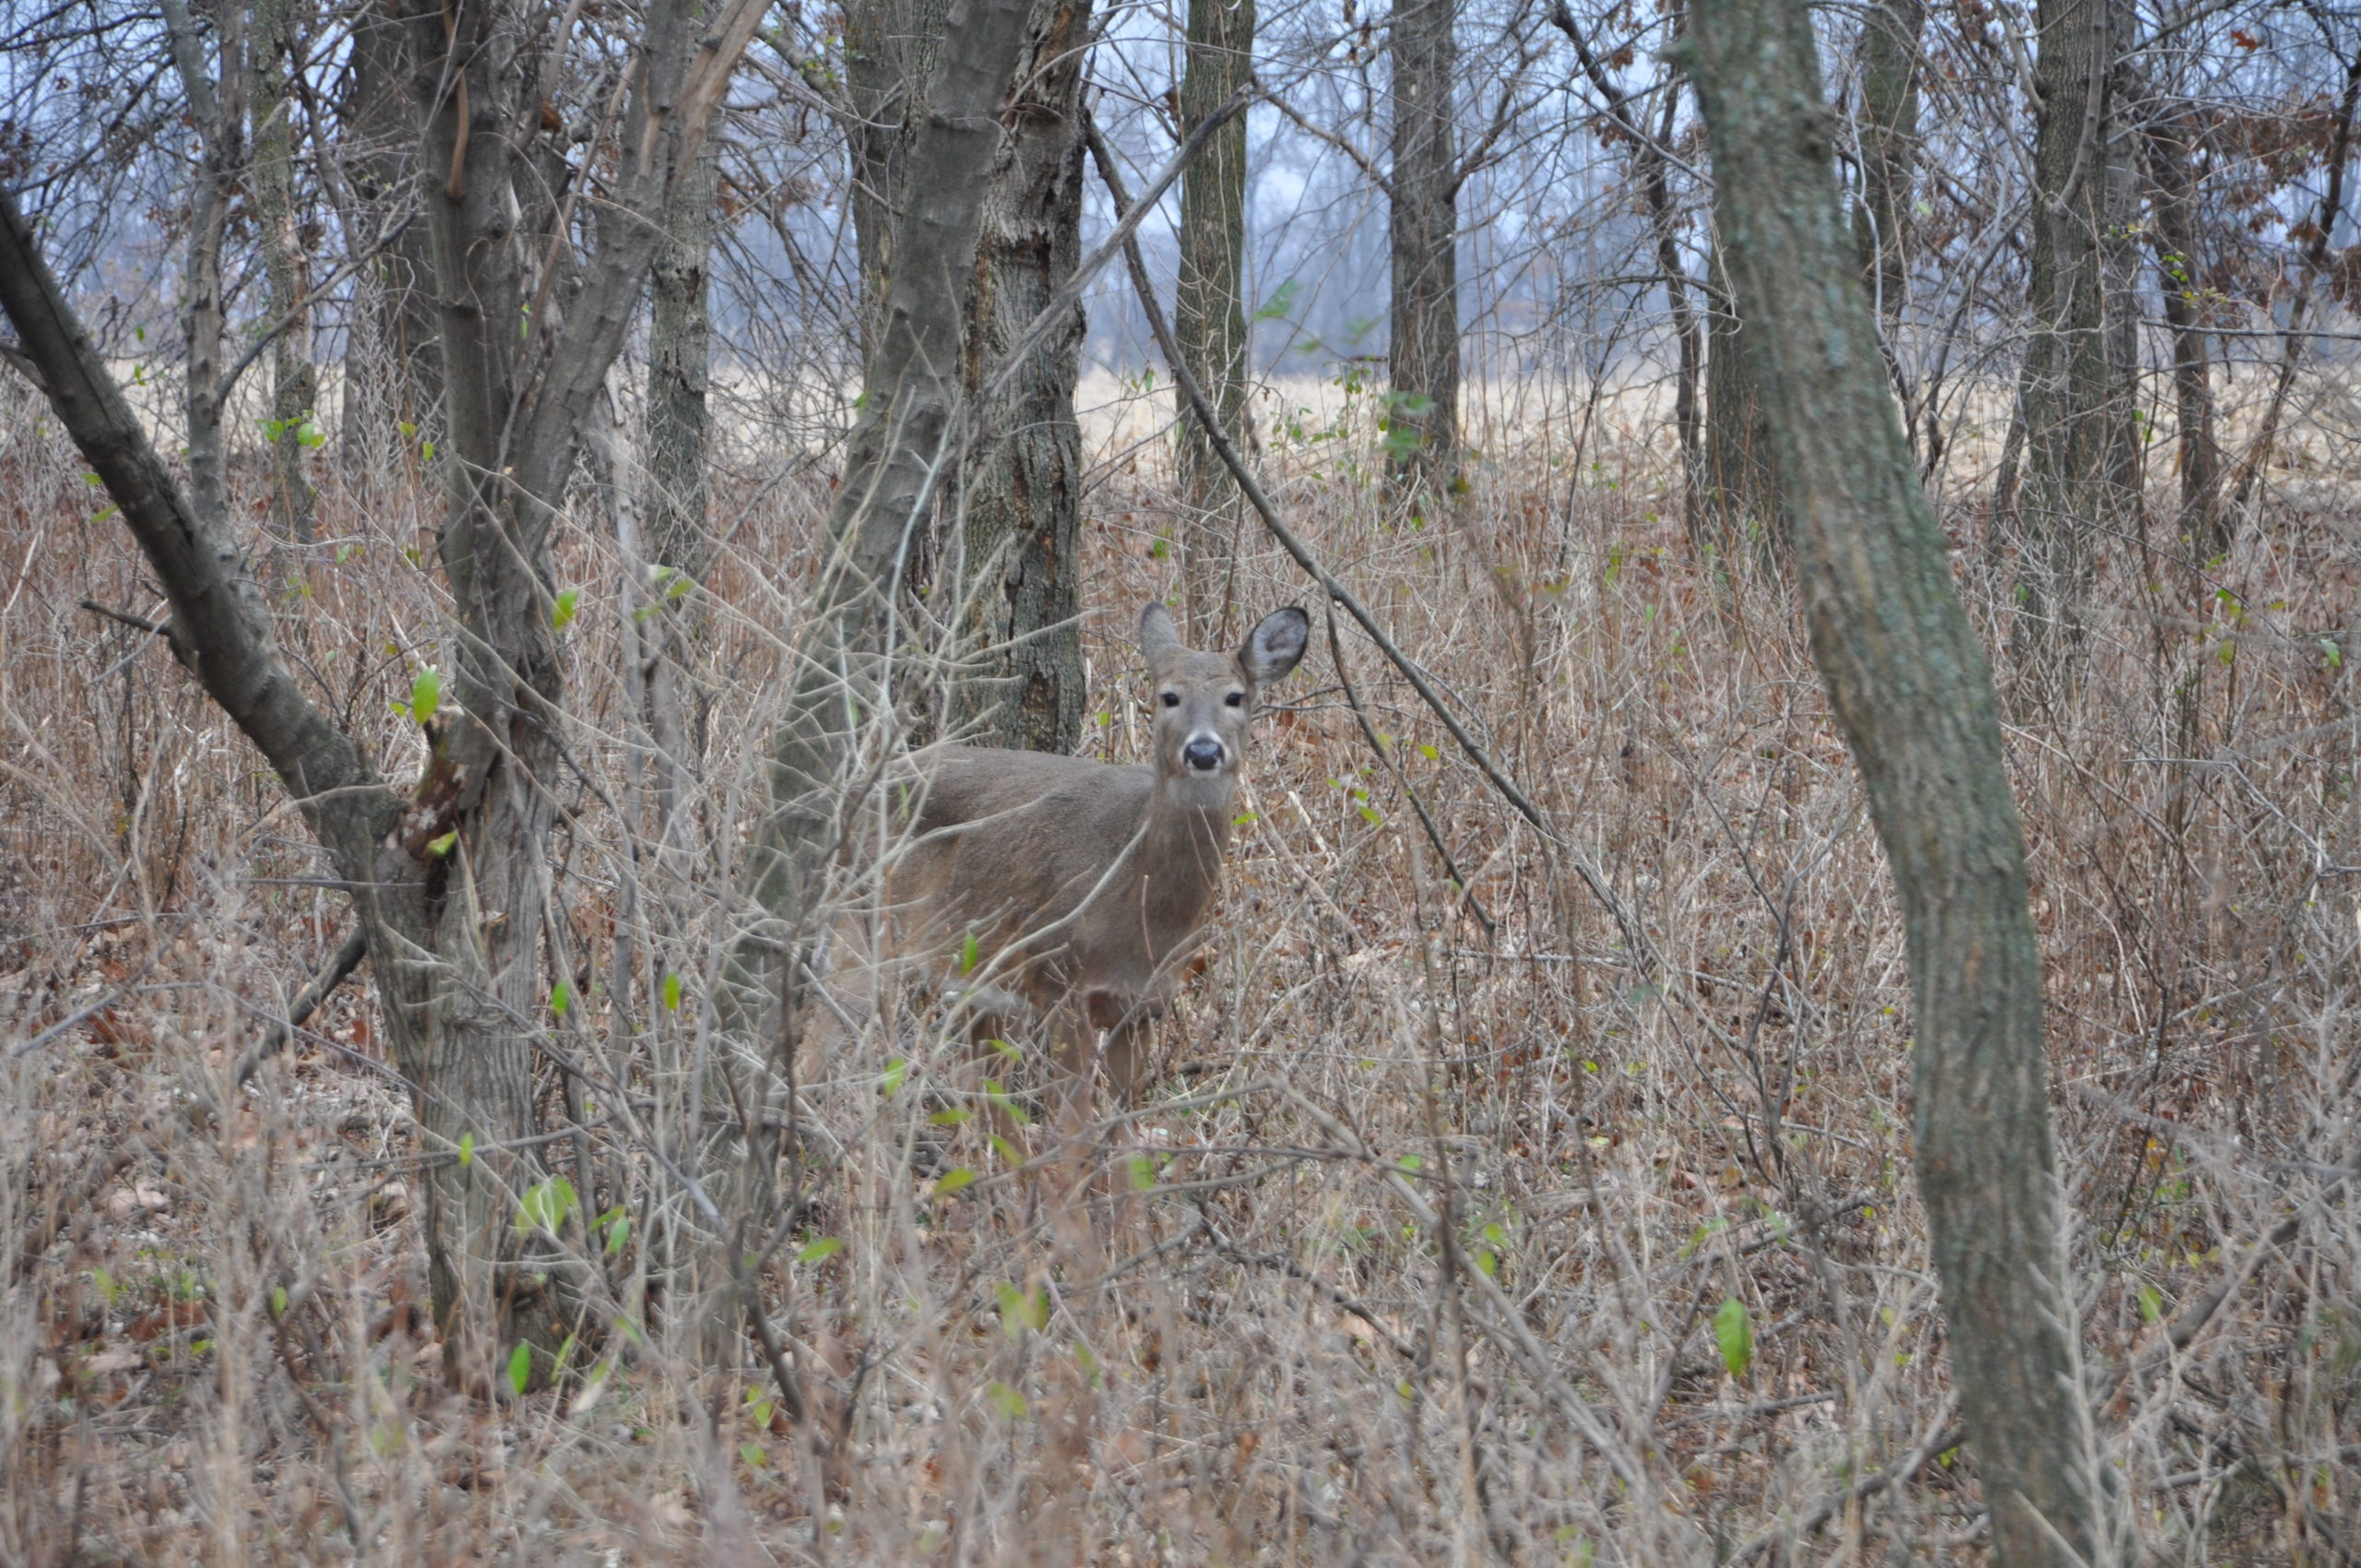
(393, 369)
(1422, 353)
(1888, 148)
(1652, 171)
(1910, 685)
(1209, 312)
(1742, 504)
(480, 970)
(2172, 143)
(2078, 393)
(1022, 488)
(450, 884)
(295, 382)
(2316, 256)
(889, 50)
(680, 363)
(519, 383)
(895, 461)
(218, 109)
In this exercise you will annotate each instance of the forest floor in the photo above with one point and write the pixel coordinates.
(1550, 1202)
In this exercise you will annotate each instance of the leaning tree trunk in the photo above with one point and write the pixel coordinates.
(294, 383)
(2078, 393)
(1209, 312)
(1422, 351)
(1910, 685)
(1021, 495)
(449, 884)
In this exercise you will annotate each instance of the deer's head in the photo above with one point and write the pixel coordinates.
(1205, 702)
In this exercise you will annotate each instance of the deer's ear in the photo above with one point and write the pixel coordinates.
(1275, 646)
(1157, 635)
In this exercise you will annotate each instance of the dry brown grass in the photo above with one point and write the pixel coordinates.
(1416, 1252)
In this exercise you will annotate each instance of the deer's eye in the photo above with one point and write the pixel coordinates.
(1172, 699)
(1236, 699)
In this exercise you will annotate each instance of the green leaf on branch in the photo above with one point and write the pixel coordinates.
(1734, 1331)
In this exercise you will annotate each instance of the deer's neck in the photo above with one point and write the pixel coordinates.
(1181, 850)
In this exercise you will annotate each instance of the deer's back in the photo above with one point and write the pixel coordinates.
(1008, 842)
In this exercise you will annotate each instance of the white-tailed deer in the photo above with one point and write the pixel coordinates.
(1083, 888)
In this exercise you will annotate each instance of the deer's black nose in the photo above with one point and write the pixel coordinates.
(1203, 754)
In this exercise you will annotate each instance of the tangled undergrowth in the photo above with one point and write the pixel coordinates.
(1498, 1198)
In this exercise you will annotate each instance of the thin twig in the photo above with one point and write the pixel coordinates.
(307, 1002)
(1252, 490)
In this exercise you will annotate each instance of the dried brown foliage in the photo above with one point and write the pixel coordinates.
(1419, 1249)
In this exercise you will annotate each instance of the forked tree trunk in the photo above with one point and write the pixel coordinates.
(450, 885)
(1422, 351)
(1209, 313)
(901, 438)
(455, 987)
(2078, 394)
(1021, 491)
(1910, 686)
(295, 382)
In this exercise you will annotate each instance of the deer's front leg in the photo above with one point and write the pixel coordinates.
(1124, 1023)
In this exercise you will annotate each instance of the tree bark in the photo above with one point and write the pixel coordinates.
(218, 111)
(1888, 148)
(2172, 146)
(2078, 393)
(449, 886)
(895, 460)
(392, 366)
(1743, 509)
(519, 384)
(680, 364)
(295, 382)
(1911, 688)
(1021, 495)
(1422, 351)
(890, 48)
(1209, 313)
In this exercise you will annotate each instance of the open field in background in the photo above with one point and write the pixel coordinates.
(1424, 1247)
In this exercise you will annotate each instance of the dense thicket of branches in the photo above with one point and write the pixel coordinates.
(721, 401)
